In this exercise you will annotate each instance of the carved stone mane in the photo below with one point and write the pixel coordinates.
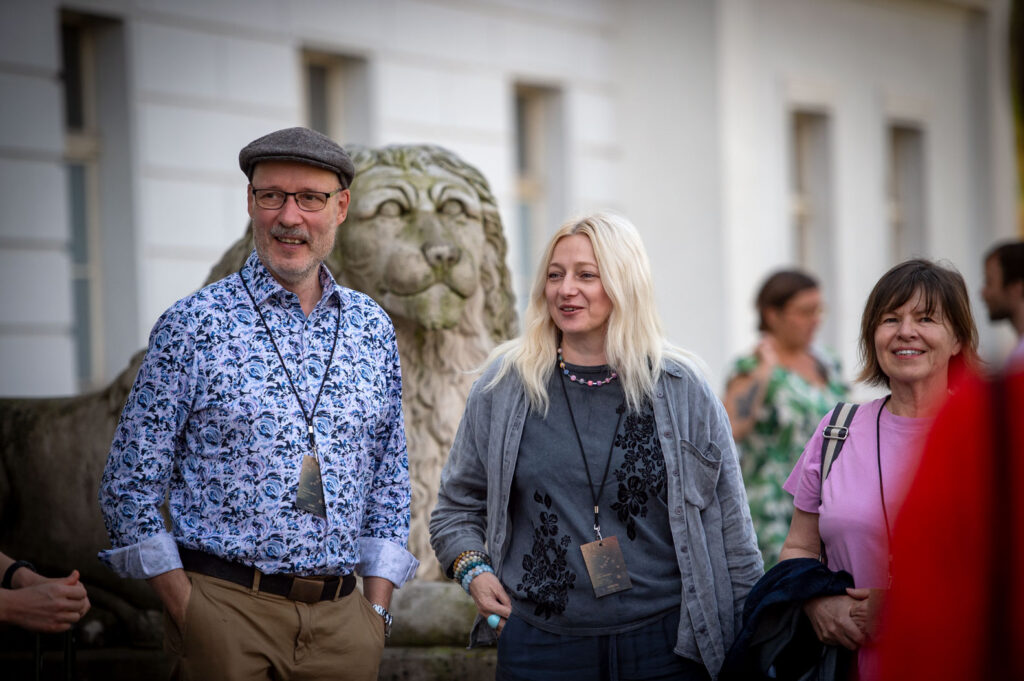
(439, 271)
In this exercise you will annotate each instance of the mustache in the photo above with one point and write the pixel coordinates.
(279, 231)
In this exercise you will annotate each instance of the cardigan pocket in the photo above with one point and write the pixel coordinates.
(700, 473)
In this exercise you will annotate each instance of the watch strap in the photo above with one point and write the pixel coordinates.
(11, 569)
(383, 612)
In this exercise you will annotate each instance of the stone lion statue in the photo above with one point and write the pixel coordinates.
(423, 238)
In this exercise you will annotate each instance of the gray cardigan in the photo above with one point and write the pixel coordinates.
(711, 527)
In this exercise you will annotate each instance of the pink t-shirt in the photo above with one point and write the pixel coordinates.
(850, 516)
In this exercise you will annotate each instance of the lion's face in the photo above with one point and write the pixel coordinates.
(414, 241)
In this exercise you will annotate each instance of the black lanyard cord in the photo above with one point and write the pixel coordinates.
(881, 486)
(596, 496)
(307, 417)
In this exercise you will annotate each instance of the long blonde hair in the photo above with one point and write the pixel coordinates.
(635, 344)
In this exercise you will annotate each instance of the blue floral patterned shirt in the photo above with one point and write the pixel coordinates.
(213, 422)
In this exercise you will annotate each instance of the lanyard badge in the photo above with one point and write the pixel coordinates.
(310, 497)
(606, 566)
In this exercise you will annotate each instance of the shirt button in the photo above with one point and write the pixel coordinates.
(667, 433)
(679, 510)
(683, 549)
(661, 394)
(691, 589)
(675, 473)
(702, 630)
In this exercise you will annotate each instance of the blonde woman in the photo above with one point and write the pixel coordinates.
(592, 504)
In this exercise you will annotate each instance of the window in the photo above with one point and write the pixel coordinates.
(540, 178)
(337, 96)
(98, 172)
(81, 153)
(811, 191)
(905, 187)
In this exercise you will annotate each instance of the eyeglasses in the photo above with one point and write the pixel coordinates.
(272, 199)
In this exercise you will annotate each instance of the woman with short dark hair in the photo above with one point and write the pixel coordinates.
(917, 334)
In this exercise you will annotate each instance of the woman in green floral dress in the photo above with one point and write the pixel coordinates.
(776, 396)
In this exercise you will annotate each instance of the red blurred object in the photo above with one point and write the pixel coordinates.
(956, 607)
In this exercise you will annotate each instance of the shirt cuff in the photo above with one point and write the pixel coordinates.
(148, 558)
(383, 558)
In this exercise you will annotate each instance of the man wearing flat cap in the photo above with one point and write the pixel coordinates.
(268, 411)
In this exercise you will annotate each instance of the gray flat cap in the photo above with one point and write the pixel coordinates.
(300, 145)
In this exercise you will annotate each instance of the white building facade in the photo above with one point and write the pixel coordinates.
(739, 135)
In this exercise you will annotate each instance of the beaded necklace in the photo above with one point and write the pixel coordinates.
(581, 381)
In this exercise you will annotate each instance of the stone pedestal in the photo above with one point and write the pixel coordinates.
(438, 663)
(431, 614)
(429, 638)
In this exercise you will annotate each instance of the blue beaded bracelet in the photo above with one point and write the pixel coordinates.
(474, 573)
(466, 561)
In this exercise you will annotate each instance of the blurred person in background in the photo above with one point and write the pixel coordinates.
(776, 395)
(1003, 292)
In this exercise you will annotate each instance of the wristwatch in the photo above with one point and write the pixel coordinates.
(383, 612)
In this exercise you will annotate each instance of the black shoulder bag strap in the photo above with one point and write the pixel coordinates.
(835, 434)
(834, 437)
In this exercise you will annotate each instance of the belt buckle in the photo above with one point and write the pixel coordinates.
(306, 590)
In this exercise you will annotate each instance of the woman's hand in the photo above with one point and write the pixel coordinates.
(866, 612)
(767, 356)
(833, 620)
(490, 598)
(745, 393)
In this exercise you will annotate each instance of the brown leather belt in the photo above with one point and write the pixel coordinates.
(305, 589)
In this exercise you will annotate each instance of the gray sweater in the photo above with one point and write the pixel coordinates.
(708, 513)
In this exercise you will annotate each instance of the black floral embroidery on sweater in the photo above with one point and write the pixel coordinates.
(546, 575)
(642, 473)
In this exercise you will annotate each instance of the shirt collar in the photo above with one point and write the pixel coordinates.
(263, 285)
(673, 369)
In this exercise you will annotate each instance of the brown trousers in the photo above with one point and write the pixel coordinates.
(233, 633)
